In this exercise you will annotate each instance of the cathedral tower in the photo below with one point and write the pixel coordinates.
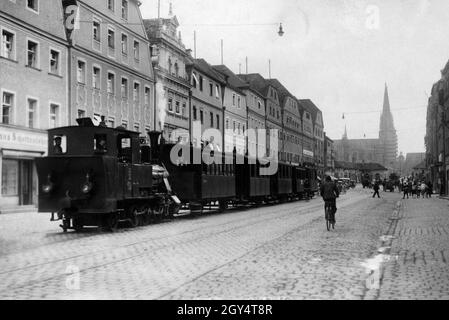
(387, 134)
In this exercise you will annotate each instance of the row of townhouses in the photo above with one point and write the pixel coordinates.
(67, 59)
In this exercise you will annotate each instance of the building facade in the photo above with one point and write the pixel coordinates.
(273, 113)
(33, 92)
(110, 64)
(206, 101)
(235, 113)
(172, 82)
(329, 153)
(255, 107)
(307, 138)
(437, 134)
(291, 149)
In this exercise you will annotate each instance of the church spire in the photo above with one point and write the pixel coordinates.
(386, 106)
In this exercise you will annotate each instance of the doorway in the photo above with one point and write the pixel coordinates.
(25, 182)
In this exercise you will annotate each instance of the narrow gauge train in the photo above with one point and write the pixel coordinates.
(99, 176)
(231, 181)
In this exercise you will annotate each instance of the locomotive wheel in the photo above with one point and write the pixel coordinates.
(78, 224)
(112, 222)
(134, 218)
(222, 206)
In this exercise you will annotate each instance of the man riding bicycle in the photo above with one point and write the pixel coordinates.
(330, 193)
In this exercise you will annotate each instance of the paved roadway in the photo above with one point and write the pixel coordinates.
(271, 252)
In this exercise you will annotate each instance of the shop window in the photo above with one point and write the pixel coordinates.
(10, 177)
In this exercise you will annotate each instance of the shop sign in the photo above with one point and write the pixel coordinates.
(11, 138)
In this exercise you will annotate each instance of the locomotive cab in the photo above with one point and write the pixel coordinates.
(95, 176)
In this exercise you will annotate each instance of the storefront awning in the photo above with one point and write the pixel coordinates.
(17, 154)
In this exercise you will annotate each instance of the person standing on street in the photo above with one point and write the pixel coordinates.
(405, 189)
(429, 189)
(376, 189)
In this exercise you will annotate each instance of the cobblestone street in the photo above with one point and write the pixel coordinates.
(270, 252)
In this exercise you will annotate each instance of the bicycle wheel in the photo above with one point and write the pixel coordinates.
(328, 216)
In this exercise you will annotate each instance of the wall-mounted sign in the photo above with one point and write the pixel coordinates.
(12, 138)
(307, 153)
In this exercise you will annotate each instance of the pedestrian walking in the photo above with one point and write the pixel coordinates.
(405, 189)
(423, 189)
(376, 189)
(429, 189)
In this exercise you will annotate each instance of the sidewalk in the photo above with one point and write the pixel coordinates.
(419, 254)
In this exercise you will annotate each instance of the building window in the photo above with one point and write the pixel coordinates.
(125, 9)
(194, 80)
(124, 88)
(10, 177)
(177, 104)
(201, 117)
(7, 107)
(218, 121)
(96, 31)
(137, 127)
(217, 91)
(32, 106)
(54, 115)
(111, 5)
(96, 78)
(8, 45)
(201, 83)
(211, 89)
(32, 54)
(124, 44)
(33, 5)
(81, 72)
(233, 100)
(211, 120)
(111, 38)
(111, 83)
(54, 62)
(136, 92)
(227, 123)
(184, 107)
(136, 50)
(170, 104)
(238, 102)
(125, 124)
(169, 65)
(194, 113)
(147, 95)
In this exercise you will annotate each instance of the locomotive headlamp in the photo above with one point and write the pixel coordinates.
(87, 186)
(48, 187)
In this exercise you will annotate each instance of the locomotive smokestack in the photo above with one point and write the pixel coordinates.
(155, 146)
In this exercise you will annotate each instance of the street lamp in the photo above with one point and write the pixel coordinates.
(281, 30)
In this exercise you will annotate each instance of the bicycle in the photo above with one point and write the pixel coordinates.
(329, 215)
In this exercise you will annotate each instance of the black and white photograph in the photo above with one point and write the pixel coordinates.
(224, 150)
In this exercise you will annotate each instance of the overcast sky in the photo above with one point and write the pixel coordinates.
(338, 53)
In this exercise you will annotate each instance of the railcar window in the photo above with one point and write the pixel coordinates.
(124, 149)
(100, 143)
(59, 144)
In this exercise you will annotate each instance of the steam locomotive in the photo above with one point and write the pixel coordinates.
(100, 176)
